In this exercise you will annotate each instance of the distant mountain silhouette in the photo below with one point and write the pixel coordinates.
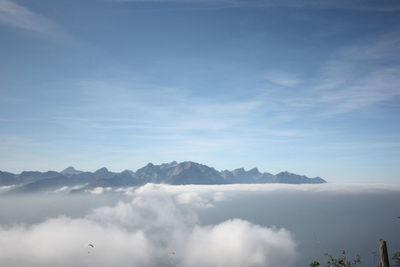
(70, 171)
(7, 178)
(174, 173)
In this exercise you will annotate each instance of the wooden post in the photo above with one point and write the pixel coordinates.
(384, 259)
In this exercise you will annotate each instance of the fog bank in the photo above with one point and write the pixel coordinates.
(164, 225)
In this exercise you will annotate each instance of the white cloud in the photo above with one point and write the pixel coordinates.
(158, 219)
(142, 232)
(5, 188)
(162, 109)
(175, 122)
(356, 78)
(283, 79)
(18, 16)
(67, 189)
(239, 243)
(64, 242)
(99, 190)
(207, 192)
(359, 77)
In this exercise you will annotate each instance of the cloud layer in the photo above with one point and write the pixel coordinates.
(165, 225)
(239, 243)
(153, 229)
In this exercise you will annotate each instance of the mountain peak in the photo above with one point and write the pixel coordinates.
(170, 165)
(238, 171)
(288, 177)
(187, 172)
(102, 170)
(70, 168)
(70, 171)
(254, 171)
(149, 165)
(242, 171)
(187, 164)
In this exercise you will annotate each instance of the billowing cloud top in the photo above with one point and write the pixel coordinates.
(160, 225)
(152, 228)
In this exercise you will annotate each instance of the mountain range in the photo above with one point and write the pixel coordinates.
(174, 173)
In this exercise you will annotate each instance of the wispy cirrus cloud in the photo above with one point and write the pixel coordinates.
(283, 79)
(157, 108)
(353, 80)
(18, 16)
(357, 77)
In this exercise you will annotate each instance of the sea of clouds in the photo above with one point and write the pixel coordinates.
(194, 226)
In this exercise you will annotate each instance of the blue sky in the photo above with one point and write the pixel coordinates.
(311, 87)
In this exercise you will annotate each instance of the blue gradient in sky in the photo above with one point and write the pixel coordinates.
(311, 87)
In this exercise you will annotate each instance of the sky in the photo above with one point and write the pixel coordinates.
(311, 87)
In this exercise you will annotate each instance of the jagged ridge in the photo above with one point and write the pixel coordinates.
(174, 173)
